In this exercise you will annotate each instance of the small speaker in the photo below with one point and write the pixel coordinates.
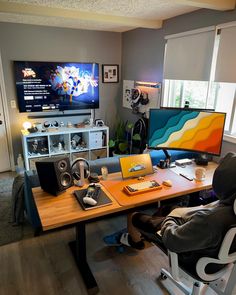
(54, 174)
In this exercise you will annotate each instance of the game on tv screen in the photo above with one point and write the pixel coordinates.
(43, 86)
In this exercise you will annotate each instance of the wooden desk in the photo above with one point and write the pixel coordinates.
(64, 209)
(180, 185)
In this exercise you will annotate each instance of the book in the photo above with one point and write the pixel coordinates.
(102, 200)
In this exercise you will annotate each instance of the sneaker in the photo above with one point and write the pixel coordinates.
(114, 239)
(127, 240)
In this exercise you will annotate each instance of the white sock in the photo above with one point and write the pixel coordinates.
(124, 239)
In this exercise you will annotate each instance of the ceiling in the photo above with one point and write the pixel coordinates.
(104, 15)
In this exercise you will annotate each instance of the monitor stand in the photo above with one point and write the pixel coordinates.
(202, 160)
(163, 164)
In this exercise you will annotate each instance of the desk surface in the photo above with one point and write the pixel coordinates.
(64, 209)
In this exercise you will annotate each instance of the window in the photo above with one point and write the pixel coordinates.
(205, 78)
(204, 95)
(177, 92)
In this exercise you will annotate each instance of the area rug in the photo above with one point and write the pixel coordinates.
(6, 185)
(8, 232)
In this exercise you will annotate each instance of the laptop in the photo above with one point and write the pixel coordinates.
(136, 165)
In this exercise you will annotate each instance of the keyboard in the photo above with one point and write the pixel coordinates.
(142, 187)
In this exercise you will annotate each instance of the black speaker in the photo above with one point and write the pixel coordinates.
(54, 174)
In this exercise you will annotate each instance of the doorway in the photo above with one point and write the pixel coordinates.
(6, 155)
(5, 164)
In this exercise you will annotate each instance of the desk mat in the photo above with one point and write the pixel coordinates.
(180, 186)
(103, 199)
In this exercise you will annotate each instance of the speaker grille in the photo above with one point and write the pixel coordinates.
(65, 179)
(62, 165)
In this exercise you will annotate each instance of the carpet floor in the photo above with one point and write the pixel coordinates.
(8, 232)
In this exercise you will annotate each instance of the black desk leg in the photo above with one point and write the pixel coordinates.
(78, 248)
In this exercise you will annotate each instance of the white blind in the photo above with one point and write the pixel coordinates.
(189, 56)
(226, 57)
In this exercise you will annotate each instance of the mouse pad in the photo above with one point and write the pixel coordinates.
(103, 199)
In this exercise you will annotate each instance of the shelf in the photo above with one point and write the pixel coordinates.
(88, 142)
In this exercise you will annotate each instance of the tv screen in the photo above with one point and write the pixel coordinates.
(45, 86)
(193, 130)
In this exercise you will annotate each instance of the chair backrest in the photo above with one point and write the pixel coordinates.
(224, 256)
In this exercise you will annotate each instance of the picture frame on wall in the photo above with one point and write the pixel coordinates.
(110, 73)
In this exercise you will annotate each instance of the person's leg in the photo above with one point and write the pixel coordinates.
(129, 236)
(132, 230)
(132, 236)
(136, 222)
(146, 223)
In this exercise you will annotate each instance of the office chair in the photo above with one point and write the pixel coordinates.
(226, 259)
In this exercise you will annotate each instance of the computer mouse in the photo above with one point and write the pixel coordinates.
(89, 201)
(167, 182)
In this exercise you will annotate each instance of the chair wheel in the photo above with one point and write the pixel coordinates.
(163, 276)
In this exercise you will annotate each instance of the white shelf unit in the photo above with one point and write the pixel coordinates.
(88, 142)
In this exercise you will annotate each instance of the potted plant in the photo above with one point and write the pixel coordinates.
(123, 137)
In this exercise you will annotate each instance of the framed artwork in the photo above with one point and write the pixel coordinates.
(110, 73)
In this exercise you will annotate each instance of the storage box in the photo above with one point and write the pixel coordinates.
(95, 140)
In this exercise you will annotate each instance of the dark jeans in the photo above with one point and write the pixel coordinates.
(147, 223)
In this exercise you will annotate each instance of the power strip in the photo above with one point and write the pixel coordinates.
(183, 162)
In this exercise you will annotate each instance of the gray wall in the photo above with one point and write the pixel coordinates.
(143, 50)
(39, 43)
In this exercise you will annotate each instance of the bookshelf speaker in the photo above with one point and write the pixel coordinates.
(54, 174)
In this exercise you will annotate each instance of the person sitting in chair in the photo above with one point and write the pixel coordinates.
(191, 231)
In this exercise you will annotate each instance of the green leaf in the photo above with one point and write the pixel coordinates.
(130, 126)
(136, 137)
(123, 146)
(111, 143)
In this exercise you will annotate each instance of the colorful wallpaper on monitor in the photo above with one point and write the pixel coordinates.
(189, 130)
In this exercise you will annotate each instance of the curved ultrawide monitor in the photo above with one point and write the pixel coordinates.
(186, 129)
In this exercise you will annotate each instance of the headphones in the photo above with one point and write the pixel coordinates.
(53, 124)
(76, 169)
(138, 97)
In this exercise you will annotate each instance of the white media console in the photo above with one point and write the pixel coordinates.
(87, 142)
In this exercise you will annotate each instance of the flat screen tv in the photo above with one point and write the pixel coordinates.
(45, 86)
(186, 129)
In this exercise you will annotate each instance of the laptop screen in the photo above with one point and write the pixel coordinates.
(136, 165)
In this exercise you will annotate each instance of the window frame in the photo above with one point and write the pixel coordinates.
(228, 135)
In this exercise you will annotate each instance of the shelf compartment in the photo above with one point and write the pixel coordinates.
(95, 139)
(97, 154)
(59, 144)
(37, 146)
(76, 155)
(79, 141)
(33, 160)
